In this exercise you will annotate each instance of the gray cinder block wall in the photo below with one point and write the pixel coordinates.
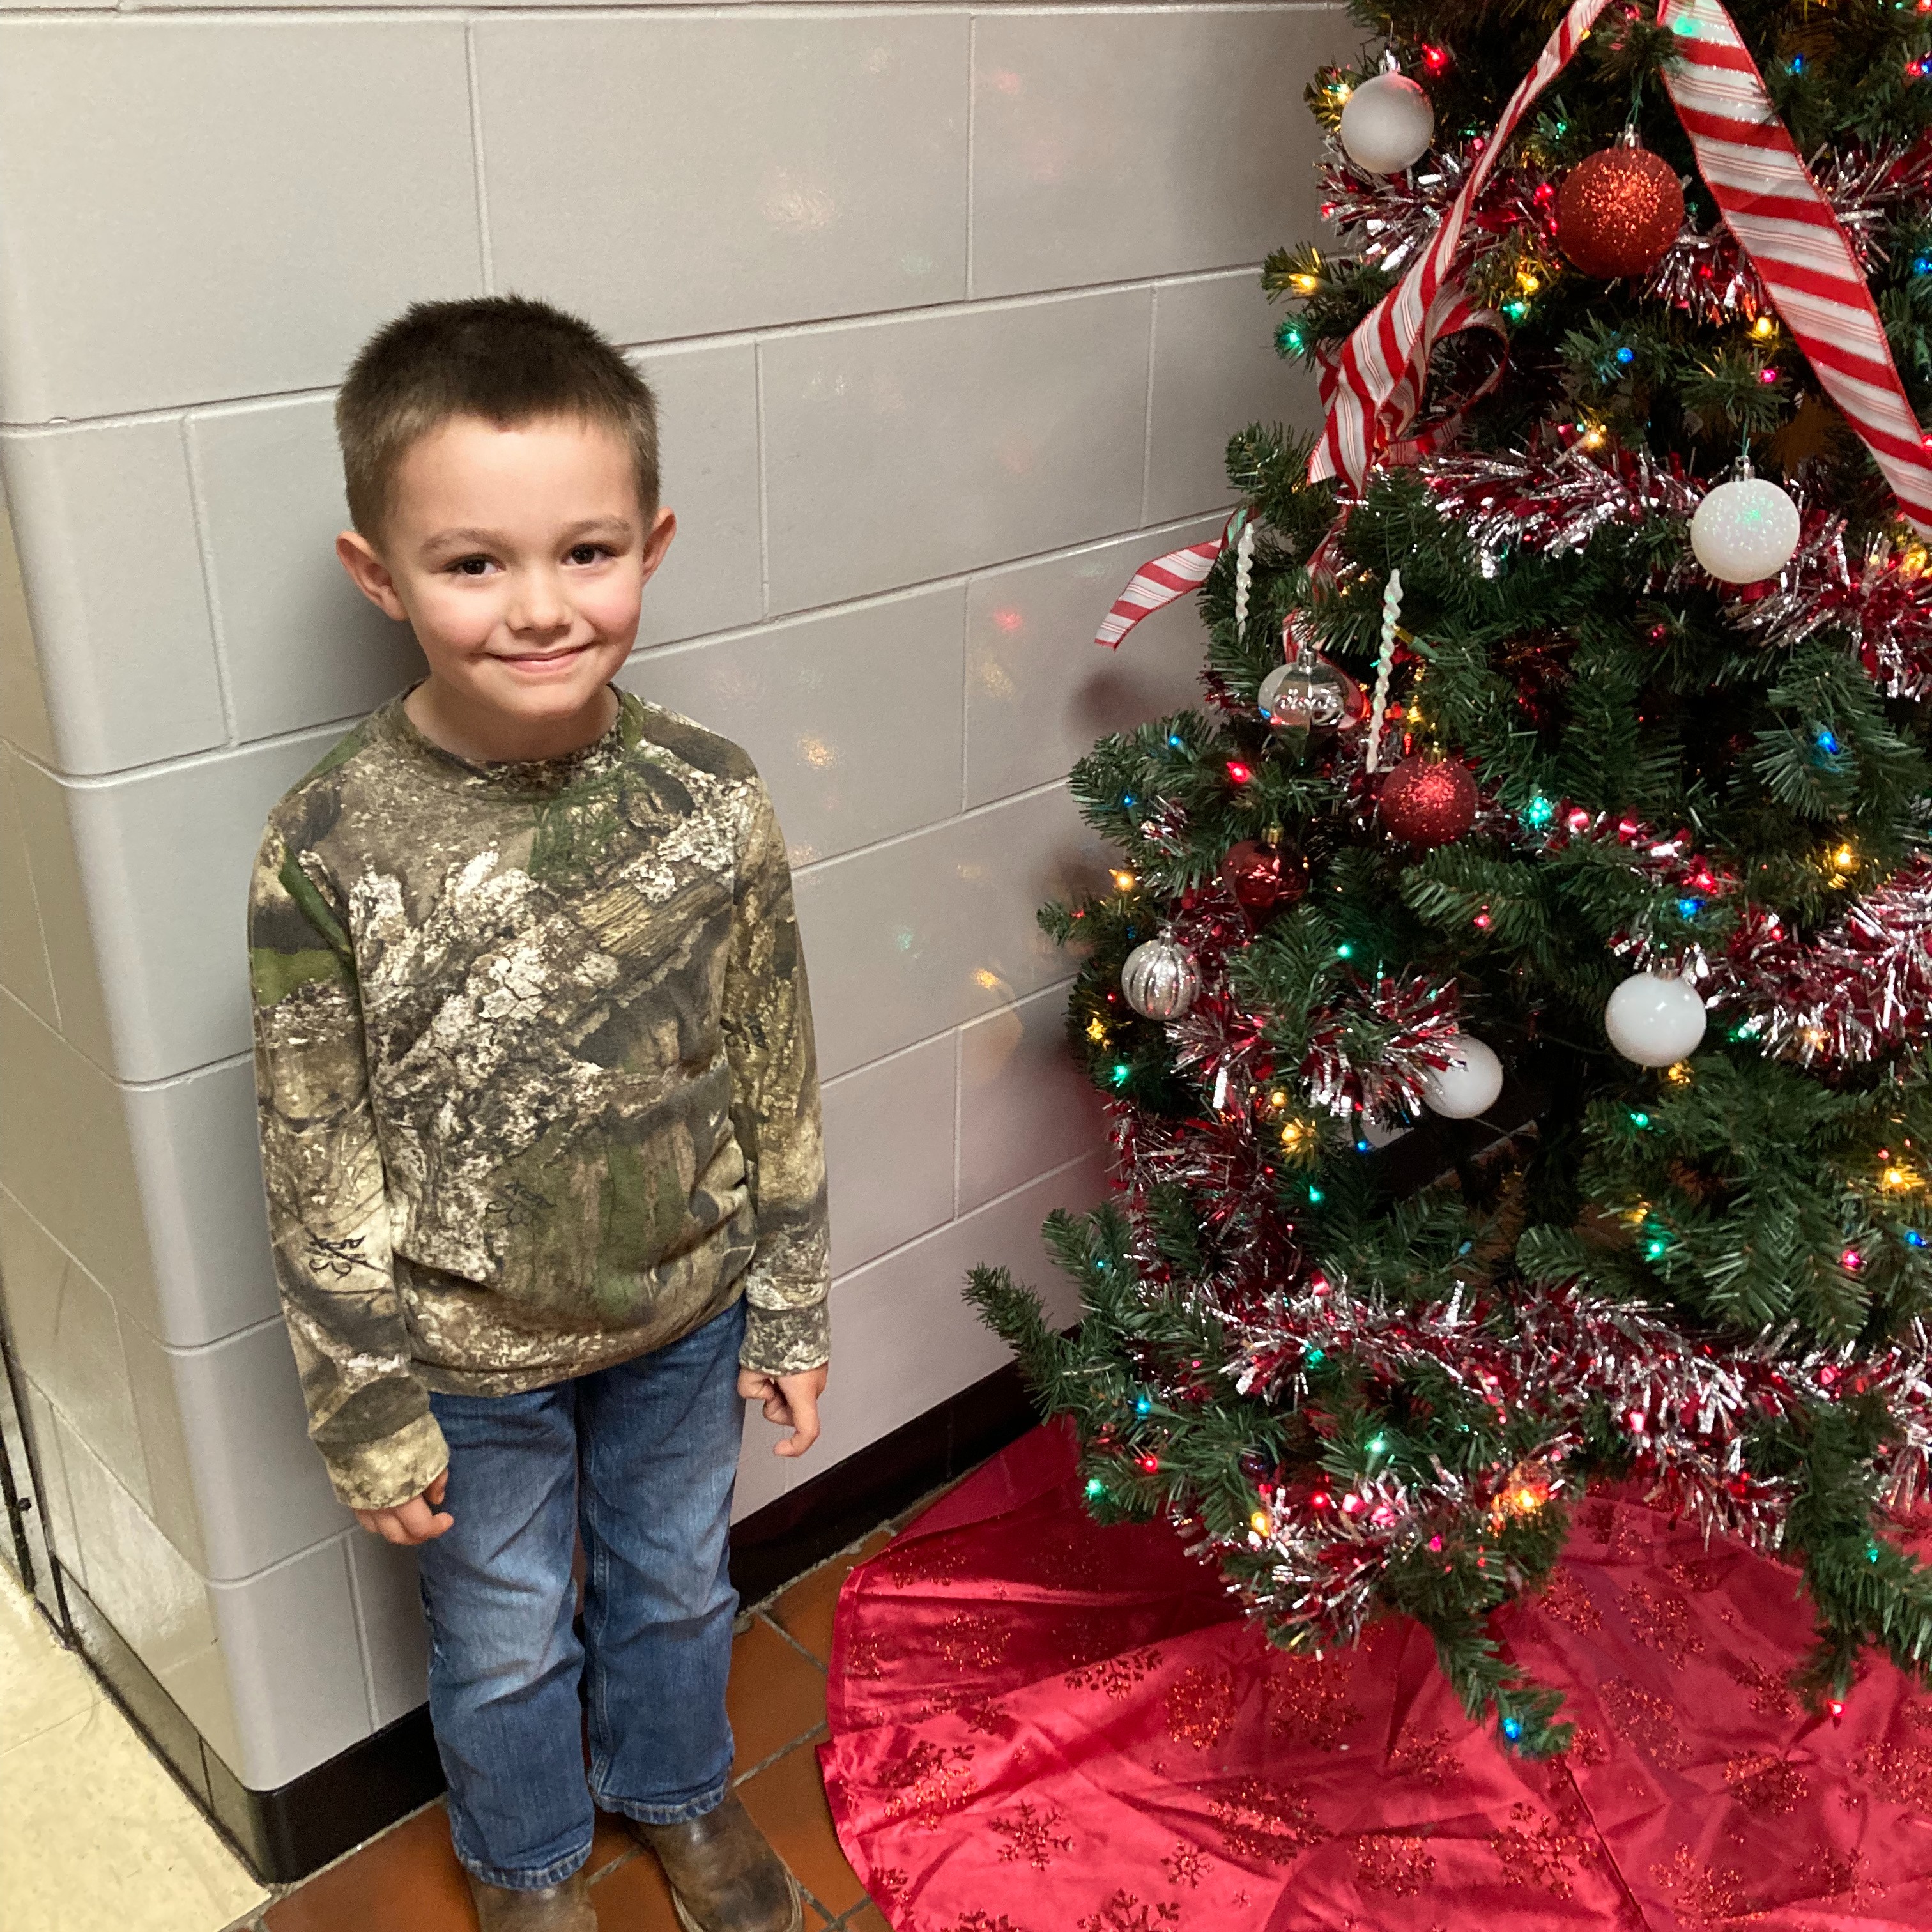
(950, 311)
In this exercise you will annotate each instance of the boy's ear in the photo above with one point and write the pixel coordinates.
(657, 541)
(370, 574)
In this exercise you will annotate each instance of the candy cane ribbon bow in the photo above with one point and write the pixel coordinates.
(1785, 226)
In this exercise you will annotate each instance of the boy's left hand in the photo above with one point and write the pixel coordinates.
(790, 1401)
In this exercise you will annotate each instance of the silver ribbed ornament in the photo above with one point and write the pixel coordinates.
(1308, 692)
(1160, 979)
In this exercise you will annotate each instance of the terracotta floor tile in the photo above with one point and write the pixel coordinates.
(609, 1842)
(407, 1880)
(870, 1919)
(788, 1802)
(806, 1609)
(634, 1898)
(775, 1696)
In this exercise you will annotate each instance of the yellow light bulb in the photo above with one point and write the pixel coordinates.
(1259, 1522)
(1292, 1134)
(1096, 1029)
(1845, 858)
(1279, 1098)
(1306, 284)
(1914, 561)
(1124, 882)
(1900, 1177)
(1679, 1075)
(1764, 328)
(1528, 282)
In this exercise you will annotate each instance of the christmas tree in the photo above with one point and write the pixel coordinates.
(1511, 1002)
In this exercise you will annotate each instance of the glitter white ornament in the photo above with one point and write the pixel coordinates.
(1387, 124)
(1745, 530)
(1655, 1021)
(1468, 1085)
(1160, 980)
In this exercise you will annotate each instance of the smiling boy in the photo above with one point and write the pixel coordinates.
(539, 1118)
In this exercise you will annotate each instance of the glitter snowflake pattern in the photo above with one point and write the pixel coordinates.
(1384, 1862)
(933, 1560)
(977, 1638)
(1566, 1600)
(1646, 1721)
(1117, 1676)
(1201, 1707)
(1429, 1758)
(1704, 1897)
(1308, 1700)
(1186, 1864)
(984, 1921)
(1770, 1696)
(1765, 1784)
(1662, 1622)
(1539, 1851)
(1031, 1836)
(1124, 1912)
(1899, 1774)
(1265, 1823)
(929, 1780)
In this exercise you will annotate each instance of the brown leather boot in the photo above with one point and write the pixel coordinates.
(557, 1908)
(725, 1876)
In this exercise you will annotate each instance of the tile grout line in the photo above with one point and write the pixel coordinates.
(485, 261)
(716, 338)
(1146, 434)
(204, 545)
(764, 484)
(730, 633)
(972, 133)
(764, 1615)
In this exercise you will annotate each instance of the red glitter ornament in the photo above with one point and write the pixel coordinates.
(1262, 877)
(1619, 211)
(1429, 801)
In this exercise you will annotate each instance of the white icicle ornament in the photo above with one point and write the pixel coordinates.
(1387, 124)
(1655, 1021)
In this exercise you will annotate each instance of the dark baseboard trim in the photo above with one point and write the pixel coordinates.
(786, 1538)
(287, 1833)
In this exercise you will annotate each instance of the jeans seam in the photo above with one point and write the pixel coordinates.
(701, 1806)
(541, 1879)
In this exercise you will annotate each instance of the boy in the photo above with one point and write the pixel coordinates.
(539, 1118)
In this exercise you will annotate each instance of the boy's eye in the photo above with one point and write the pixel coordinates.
(588, 552)
(470, 566)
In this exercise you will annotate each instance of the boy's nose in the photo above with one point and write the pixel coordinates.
(538, 604)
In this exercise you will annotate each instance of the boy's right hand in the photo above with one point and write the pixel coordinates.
(419, 1520)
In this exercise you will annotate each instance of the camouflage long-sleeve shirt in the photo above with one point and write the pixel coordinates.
(538, 1092)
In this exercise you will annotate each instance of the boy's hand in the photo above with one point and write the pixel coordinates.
(419, 1520)
(790, 1401)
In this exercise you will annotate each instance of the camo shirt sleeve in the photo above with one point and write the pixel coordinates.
(369, 1412)
(767, 1023)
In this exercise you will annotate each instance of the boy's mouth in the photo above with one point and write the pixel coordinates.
(543, 664)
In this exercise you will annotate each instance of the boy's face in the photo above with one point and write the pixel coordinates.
(519, 557)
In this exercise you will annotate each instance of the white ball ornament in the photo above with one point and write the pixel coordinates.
(1655, 1021)
(1160, 980)
(1745, 531)
(1381, 1130)
(1468, 1085)
(1387, 124)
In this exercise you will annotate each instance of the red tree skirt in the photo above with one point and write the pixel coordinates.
(1041, 1726)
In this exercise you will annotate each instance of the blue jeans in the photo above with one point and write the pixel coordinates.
(640, 1459)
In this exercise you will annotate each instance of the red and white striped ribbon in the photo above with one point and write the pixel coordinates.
(1784, 225)
(1792, 237)
(1383, 365)
(1157, 584)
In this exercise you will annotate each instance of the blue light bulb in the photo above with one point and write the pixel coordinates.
(1689, 908)
(1512, 1728)
(1826, 739)
(1626, 354)
(1145, 1406)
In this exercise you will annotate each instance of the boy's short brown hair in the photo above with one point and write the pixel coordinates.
(505, 358)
